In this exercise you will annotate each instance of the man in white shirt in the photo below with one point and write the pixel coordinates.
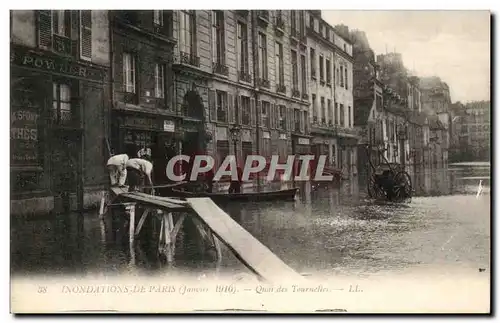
(138, 168)
(117, 169)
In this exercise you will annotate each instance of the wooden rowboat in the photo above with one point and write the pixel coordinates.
(281, 195)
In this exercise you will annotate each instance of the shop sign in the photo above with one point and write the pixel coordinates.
(143, 123)
(266, 135)
(24, 136)
(168, 126)
(53, 63)
(303, 141)
(283, 136)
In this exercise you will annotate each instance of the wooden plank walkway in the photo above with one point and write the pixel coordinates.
(250, 251)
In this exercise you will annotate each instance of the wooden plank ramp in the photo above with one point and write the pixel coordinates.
(250, 251)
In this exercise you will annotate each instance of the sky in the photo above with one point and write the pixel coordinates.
(454, 45)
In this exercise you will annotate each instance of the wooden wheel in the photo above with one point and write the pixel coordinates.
(402, 185)
(374, 189)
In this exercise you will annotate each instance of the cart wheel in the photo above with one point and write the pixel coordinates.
(402, 185)
(374, 190)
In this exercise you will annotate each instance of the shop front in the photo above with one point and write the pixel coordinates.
(347, 156)
(301, 145)
(136, 131)
(56, 129)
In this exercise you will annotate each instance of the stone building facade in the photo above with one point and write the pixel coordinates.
(247, 67)
(60, 98)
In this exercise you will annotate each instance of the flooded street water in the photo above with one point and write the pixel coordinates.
(328, 231)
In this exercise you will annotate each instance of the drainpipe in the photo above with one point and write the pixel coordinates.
(255, 74)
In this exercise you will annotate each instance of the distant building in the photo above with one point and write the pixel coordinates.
(472, 126)
(330, 58)
(436, 100)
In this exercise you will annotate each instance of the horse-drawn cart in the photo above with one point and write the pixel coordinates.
(388, 181)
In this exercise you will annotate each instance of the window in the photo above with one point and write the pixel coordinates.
(342, 116)
(295, 70)
(61, 20)
(330, 112)
(349, 116)
(337, 76)
(302, 20)
(313, 63)
(160, 81)
(323, 110)
(158, 17)
(218, 39)
(282, 117)
(346, 80)
(263, 56)
(336, 113)
(297, 116)
(266, 107)
(279, 64)
(293, 21)
(242, 47)
(341, 76)
(321, 69)
(303, 73)
(129, 73)
(305, 124)
(186, 32)
(86, 34)
(328, 72)
(315, 111)
(61, 103)
(245, 110)
(311, 21)
(221, 106)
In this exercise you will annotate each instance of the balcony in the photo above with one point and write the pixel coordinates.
(242, 13)
(263, 16)
(263, 83)
(280, 25)
(295, 93)
(280, 88)
(63, 45)
(221, 69)
(305, 96)
(189, 59)
(244, 76)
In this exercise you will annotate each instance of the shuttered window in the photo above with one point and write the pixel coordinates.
(45, 28)
(86, 34)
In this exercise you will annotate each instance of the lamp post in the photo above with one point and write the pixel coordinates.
(235, 136)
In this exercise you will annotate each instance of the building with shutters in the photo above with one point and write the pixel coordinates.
(245, 70)
(144, 111)
(323, 117)
(59, 63)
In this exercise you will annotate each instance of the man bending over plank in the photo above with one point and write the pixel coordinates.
(117, 169)
(137, 169)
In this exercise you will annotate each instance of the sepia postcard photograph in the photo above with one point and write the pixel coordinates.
(250, 161)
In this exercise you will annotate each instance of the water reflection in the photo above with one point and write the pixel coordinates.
(328, 228)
